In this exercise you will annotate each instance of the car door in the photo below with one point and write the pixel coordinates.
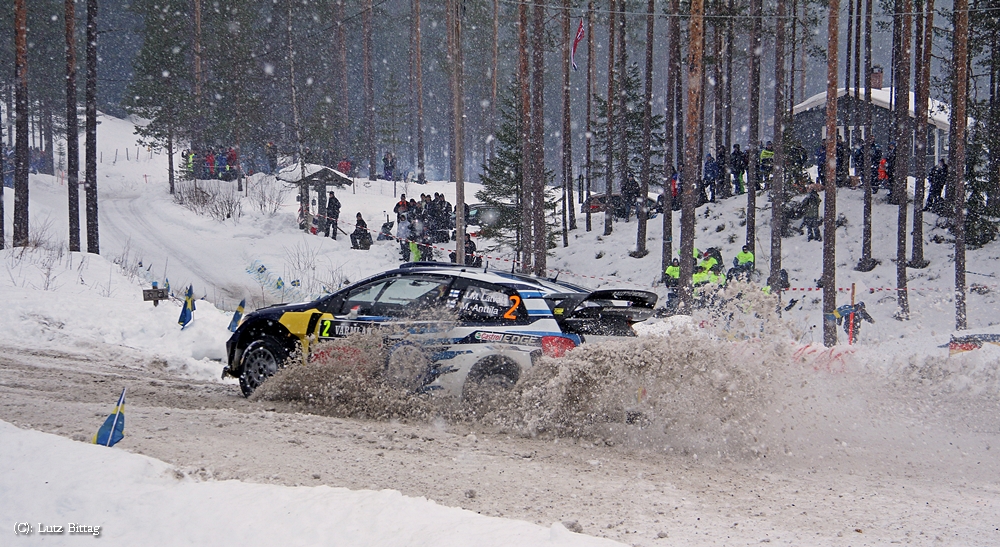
(408, 303)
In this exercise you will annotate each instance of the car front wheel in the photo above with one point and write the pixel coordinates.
(261, 359)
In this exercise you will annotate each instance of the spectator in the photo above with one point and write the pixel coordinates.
(360, 237)
(842, 161)
(766, 164)
(271, 151)
(711, 175)
(810, 219)
(739, 162)
(938, 179)
(333, 214)
(403, 235)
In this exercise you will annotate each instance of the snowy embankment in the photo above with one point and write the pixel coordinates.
(130, 499)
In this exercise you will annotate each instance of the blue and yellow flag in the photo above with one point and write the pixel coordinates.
(166, 285)
(186, 314)
(237, 316)
(279, 284)
(113, 429)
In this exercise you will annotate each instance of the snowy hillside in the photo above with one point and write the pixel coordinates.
(890, 422)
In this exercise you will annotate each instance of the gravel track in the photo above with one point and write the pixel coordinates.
(640, 497)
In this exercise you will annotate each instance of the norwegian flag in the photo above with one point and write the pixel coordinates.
(576, 41)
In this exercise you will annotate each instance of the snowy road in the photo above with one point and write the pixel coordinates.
(874, 494)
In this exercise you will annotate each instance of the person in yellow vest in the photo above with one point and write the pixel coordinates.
(673, 273)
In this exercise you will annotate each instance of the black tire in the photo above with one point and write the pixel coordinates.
(261, 359)
(490, 374)
(406, 366)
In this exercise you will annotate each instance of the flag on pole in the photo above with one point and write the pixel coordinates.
(186, 314)
(237, 316)
(576, 41)
(113, 429)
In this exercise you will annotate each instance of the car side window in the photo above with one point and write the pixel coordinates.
(488, 303)
(409, 297)
(363, 298)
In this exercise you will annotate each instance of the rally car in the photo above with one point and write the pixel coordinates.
(444, 325)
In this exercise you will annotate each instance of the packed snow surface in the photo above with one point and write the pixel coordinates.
(732, 426)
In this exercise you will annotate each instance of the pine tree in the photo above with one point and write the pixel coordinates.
(160, 88)
(503, 187)
(634, 113)
(391, 114)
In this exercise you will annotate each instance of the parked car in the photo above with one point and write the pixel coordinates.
(486, 215)
(445, 325)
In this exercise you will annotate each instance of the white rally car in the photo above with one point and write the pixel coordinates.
(445, 325)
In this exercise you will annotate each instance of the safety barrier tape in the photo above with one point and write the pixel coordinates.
(492, 258)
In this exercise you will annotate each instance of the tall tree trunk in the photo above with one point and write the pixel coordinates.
(959, 96)
(493, 77)
(778, 178)
(72, 131)
(903, 150)
(867, 263)
(753, 146)
(922, 57)
(717, 108)
(855, 113)
(669, 157)
(830, 200)
(849, 137)
(369, 86)
(696, 29)
(93, 241)
(538, 131)
(567, 144)
(589, 137)
(609, 154)
(647, 128)
(48, 152)
(338, 71)
(418, 56)
(728, 122)
(303, 185)
(621, 125)
(340, 64)
(791, 66)
(993, 154)
(198, 120)
(170, 165)
(526, 244)
(21, 152)
(458, 147)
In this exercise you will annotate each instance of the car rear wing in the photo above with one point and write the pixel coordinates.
(606, 312)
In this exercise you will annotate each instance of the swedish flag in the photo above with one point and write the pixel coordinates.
(113, 429)
(279, 284)
(237, 316)
(166, 285)
(186, 314)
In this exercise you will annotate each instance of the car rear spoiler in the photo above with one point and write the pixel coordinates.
(607, 312)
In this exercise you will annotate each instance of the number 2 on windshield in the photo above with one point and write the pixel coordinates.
(512, 312)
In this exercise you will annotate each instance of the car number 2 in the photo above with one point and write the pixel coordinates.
(512, 312)
(324, 328)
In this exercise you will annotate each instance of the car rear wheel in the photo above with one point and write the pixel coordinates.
(490, 375)
(261, 359)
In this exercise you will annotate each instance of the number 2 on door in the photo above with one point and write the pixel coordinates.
(512, 312)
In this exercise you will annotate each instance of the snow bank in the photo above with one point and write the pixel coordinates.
(135, 500)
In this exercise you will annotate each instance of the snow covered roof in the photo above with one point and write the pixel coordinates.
(293, 173)
(938, 113)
